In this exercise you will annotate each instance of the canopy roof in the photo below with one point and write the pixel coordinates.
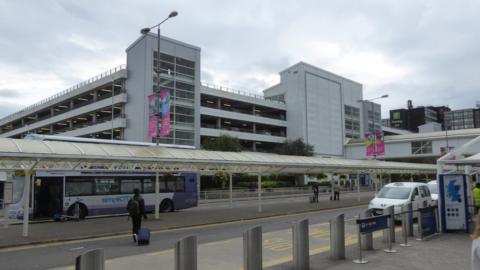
(18, 154)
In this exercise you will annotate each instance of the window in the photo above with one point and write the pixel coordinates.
(415, 194)
(421, 147)
(78, 187)
(396, 115)
(148, 185)
(128, 185)
(106, 186)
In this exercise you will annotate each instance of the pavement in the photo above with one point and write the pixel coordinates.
(51, 232)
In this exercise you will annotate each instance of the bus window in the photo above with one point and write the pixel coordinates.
(163, 185)
(105, 186)
(180, 184)
(128, 185)
(78, 187)
(148, 186)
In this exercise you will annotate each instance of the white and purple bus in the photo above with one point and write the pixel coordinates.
(101, 193)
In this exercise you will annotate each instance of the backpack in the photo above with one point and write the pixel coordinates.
(133, 207)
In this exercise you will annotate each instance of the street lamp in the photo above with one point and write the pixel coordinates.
(373, 121)
(145, 31)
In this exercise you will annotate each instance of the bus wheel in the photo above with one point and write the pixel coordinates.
(166, 206)
(83, 211)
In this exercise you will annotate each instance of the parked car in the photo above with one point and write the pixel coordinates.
(399, 194)
(433, 187)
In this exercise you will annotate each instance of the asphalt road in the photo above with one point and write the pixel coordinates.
(211, 237)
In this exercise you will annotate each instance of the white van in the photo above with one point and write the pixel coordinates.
(399, 194)
(433, 187)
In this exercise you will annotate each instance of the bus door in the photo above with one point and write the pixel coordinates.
(48, 196)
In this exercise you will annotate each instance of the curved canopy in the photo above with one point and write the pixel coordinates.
(18, 154)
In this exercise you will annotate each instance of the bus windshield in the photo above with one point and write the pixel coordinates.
(399, 193)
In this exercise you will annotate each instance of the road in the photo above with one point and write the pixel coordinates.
(220, 246)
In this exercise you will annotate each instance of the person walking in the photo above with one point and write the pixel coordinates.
(336, 192)
(476, 197)
(475, 255)
(136, 210)
(315, 192)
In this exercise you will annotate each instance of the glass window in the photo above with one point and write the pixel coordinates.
(185, 62)
(78, 187)
(106, 186)
(148, 185)
(128, 185)
(180, 187)
(187, 71)
(421, 147)
(400, 193)
(185, 86)
(415, 194)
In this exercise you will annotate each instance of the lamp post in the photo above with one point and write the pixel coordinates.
(373, 122)
(145, 31)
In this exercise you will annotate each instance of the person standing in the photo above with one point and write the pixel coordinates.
(476, 197)
(475, 255)
(315, 192)
(336, 192)
(136, 210)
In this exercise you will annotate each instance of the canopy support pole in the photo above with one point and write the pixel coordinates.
(26, 202)
(231, 189)
(259, 188)
(157, 195)
(358, 186)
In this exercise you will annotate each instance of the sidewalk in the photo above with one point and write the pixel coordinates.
(443, 252)
(98, 227)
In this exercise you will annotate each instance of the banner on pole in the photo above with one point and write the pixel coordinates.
(369, 144)
(165, 113)
(160, 116)
(380, 141)
(152, 117)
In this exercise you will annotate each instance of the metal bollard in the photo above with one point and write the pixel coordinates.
(186, 253)
(252, 249)
(367, 238)
(360, 259)
(389, 248)
(419, 226)
(404, 228)
(301, 248)
(91, 260)
(410, 219)
(337, 237)
(391, 211)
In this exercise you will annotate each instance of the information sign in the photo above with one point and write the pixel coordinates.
(372, 224)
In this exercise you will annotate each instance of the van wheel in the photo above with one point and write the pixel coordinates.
(83, 211)
(166, 206)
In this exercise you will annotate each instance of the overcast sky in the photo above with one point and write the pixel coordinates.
(427, 51)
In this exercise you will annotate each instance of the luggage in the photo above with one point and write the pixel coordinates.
(143, 237)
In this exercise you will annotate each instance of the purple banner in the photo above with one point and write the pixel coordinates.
(369, 144)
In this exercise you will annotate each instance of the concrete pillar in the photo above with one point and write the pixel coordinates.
(259, 188)
(26, 202)
(230, 188)
(71, 104)
(95, 94)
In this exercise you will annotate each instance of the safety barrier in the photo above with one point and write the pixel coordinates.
(367, 224)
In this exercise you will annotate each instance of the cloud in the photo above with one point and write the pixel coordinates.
(421, 50)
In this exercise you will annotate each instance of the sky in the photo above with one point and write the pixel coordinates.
(427, 51)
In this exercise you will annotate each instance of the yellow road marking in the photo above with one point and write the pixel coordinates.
(110, 237)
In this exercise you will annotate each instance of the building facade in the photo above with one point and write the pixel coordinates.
(462, 119)
(411, 118)
(310, 103)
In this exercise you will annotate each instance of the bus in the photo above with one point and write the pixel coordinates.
(101, 193)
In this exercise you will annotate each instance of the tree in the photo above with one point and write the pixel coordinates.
(223, 143)
(295, 148)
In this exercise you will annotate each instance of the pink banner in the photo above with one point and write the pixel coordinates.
(380, 143)
(369, 144)
(163, 115)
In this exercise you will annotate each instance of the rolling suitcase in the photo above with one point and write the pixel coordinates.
(143, 237)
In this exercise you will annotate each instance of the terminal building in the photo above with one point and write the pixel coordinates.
(322, 108)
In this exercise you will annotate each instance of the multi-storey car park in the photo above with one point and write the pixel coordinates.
(318, 106)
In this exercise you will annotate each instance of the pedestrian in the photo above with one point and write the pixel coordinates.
(315, 192)
(336, 192)
(476, 197)
(475, 259)
(136, 210)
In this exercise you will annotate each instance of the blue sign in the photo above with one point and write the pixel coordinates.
(453, 202)
(428, 221)
(372, 224)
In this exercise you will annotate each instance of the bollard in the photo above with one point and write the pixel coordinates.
(252, 249)
(367, 238)
(337, 237)
(404, 228)
(389, 240)
(360, 259)
(419, 226)
(410, 219)
(301, 248)
(186, 253)
(391, 211)
(91, 260)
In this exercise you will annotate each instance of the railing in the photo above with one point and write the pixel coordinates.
(64, 92)
(240, 92)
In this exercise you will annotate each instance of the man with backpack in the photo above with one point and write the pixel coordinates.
(136, 209)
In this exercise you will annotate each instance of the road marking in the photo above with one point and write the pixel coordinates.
(59, 242)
